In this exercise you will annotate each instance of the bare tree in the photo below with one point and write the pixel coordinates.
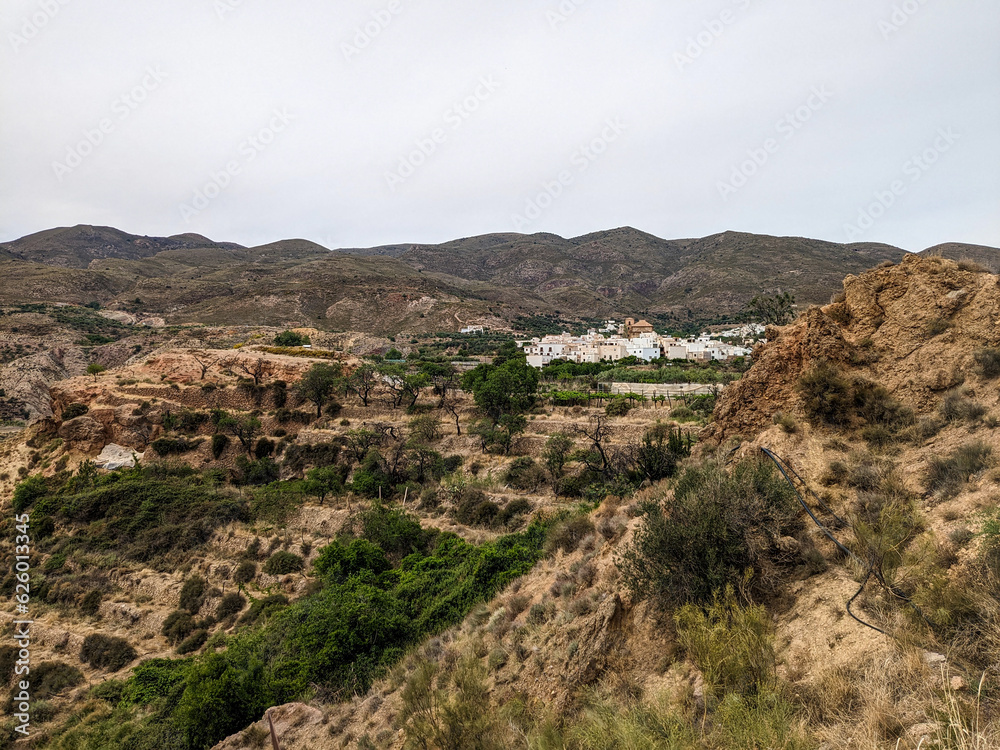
(205, 362)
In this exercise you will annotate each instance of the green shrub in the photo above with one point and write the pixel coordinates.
(256, 473)
(290, 338)
(524, 474)
(297, 458)
(338, 561)
(193, 594)
(91, 603)
(988, 363)
(28, 491)
(683, 413)
(618, 407)
(111, 691)
(178, 626)
(169, 446)
(245, 572)
(718, 525)
(263, 448)
(52, 677)
(263, 608)
(193, 642)
(107, 652)
(786, 422)
(282, 563)
(219, 444)
(947, 474)
(826, 395)
(537, 615)
(475, 509)
(231, 604)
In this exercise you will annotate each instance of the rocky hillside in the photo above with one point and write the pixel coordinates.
(492, 279)
(377, 576)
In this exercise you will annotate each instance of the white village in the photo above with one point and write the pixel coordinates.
(614, 342)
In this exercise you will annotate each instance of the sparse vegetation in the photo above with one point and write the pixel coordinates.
(718, 525)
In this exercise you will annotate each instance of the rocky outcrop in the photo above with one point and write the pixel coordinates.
(27, 380)
(84, 434)
(913, 328)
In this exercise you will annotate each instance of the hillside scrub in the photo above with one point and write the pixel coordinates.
(144, 517)
(718, 525)
(338, 640)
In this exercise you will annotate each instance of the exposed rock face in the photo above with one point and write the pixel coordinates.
(925, 317)
(83, 433)
(27, 380)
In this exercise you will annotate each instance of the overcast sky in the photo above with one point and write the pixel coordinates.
(365, 123)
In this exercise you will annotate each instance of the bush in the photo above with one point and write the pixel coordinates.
(282, 563)
(337, 562)
(28, 491)
(988, 363)
(193, 642)
(826, 395)
(538, 614)
(256, 473)
(245, 572)
(567, 535)
(956, 406)
(718, 525)
(231, 604)
(167, 446)
(786, 422)
(525, 474)
(618, 407)
(193, 594)
(178, 626)
(219, 444)
(52, 677)
(290, 338)
(475, 509)
(91, 603)
(298, 458)
(263, 448)
(73, 411)
(947, 474)
(107, 652)
(682, 413)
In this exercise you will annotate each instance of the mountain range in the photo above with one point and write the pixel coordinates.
(493, 279)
